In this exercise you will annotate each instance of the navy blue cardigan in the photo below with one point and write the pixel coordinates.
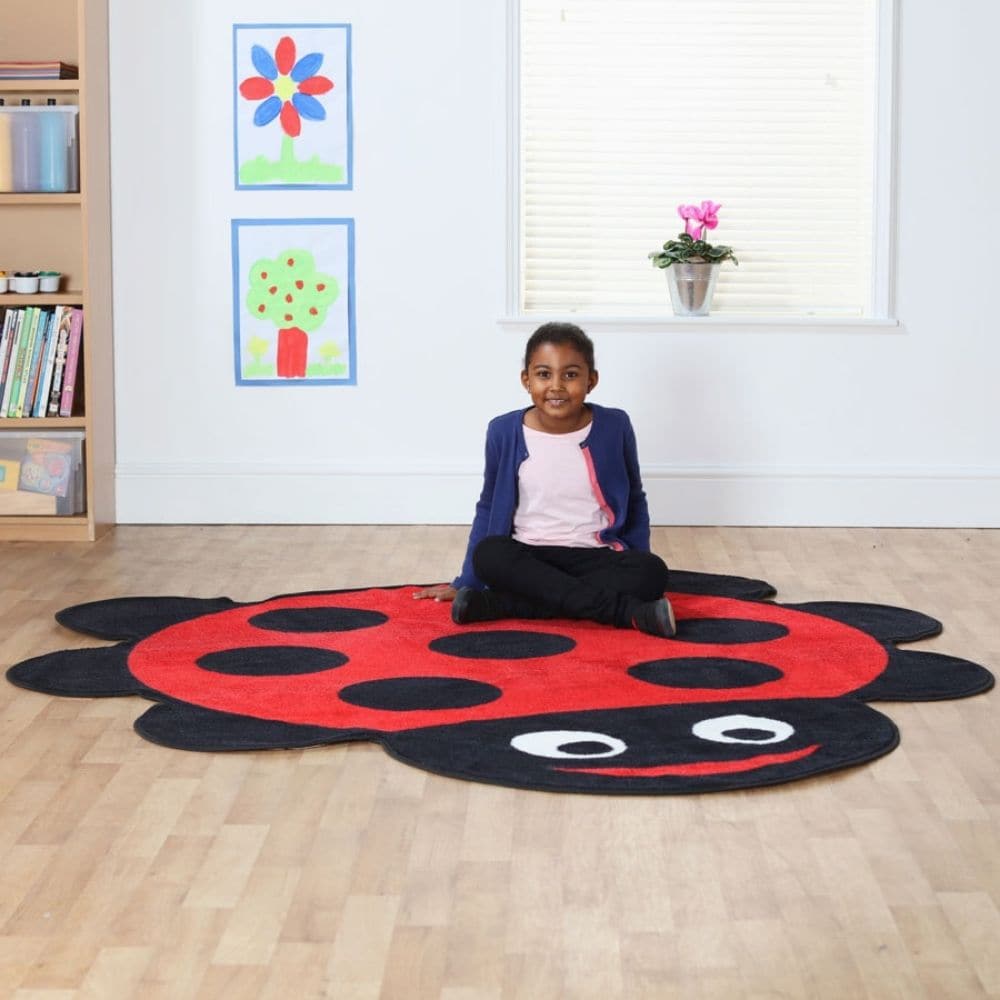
(612, 460)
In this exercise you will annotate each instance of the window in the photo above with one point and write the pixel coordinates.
(777, 109)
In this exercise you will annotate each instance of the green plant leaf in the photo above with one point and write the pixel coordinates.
(685, 247)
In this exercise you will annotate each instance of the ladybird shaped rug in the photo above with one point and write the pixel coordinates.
(749, 692)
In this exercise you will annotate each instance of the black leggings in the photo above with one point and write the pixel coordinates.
(601, 585)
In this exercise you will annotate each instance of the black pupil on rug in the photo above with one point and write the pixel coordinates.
(502, 645)
(584, 748)
(711, 672)
(317, 619)
(267, 661)
(750, 735)
(411, 694)
(728, 630)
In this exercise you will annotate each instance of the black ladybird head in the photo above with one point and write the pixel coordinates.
(676, 748)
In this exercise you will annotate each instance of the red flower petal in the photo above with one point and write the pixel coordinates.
(316, 85)
(284, 56)
(290, 120)
(256, 88)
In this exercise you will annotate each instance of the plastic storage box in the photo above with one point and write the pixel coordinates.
(39, 150)
(41, 472)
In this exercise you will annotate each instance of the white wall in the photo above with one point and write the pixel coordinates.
(766, 427)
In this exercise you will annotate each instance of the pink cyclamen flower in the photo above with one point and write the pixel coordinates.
(698, 219)
(709, 214)
(689, 213)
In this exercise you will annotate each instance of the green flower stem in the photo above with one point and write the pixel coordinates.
(287, 150)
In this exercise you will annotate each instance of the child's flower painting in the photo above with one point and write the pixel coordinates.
(292, 105)
(293, 301)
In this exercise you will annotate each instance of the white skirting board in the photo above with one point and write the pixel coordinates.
(251, 493)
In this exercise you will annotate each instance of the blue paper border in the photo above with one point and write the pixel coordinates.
(352, 376)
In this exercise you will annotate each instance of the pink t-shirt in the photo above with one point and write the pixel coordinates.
(556, 503)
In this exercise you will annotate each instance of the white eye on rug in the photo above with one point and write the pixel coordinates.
(558, 743)
(731, 729)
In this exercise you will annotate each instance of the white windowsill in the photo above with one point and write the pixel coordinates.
(706, 324)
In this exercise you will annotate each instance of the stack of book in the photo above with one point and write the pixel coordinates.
(37, 70)
(40, 354)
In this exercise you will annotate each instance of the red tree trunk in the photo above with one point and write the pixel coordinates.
(293, 347)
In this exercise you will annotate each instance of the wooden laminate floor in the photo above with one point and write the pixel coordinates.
(131, 870)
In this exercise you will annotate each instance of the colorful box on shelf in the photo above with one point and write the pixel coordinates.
(41, 472)
(39, 151)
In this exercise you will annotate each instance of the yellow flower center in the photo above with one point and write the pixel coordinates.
(284, 87)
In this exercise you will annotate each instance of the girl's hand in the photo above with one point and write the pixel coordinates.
(439, 592)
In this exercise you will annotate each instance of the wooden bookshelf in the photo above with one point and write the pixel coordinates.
(39, 86)
(71, 198)
(70, 298)
(70, 233)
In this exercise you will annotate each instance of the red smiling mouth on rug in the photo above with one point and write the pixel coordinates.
(749, 693)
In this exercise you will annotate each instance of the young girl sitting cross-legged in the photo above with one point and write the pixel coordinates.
(562, 527)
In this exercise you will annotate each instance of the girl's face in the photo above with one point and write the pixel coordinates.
(558, 379)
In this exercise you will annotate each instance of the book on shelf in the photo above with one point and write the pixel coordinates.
(48, 363)
(12, 388)
(37, 69)
(37, 357)
(6, 338)
(29, 355)
(59, 364)
(73, 353)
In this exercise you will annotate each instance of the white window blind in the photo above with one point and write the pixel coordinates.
(628, 108)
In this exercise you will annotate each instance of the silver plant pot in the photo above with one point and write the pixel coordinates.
(691, 285)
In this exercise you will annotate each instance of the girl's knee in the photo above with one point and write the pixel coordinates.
(654, 575)
(486, 554)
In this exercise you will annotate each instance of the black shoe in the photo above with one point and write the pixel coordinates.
(655, 618)
(471, 605)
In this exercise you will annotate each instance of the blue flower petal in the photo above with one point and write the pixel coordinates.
(309, 107)
(306, 67)
(263, 62)
(267, 111)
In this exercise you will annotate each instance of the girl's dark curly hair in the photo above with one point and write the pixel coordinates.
(560, 333)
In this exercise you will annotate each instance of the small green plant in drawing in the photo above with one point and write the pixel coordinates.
(287, 89)
(257, 347)
(294, 296)
(327, 366)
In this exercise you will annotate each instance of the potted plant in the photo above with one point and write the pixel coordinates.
(690, 263)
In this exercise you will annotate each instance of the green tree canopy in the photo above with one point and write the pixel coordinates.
(290, 292)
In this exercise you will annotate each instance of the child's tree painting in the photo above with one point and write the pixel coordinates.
(293, 301)
(292, 98)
